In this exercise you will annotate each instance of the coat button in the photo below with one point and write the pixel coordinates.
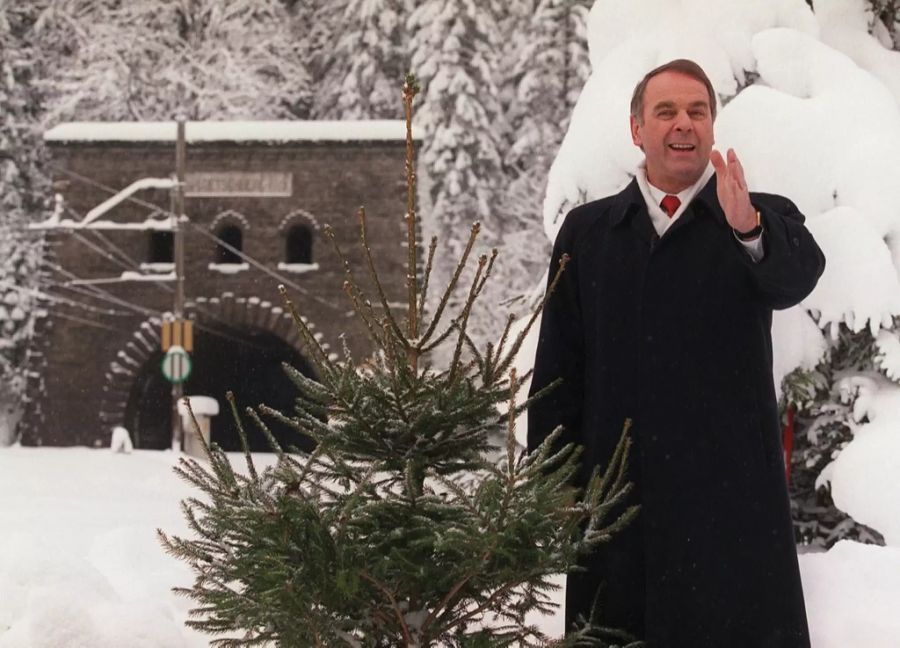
(795, 241)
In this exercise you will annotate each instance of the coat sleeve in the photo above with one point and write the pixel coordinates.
(793, 262)
(560, 350)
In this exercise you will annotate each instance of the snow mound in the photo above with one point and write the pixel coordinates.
(62, 618)
(864, 476)
(851, 595)
(859, 286)
(887, 356)
(845, 27)
(51, 597)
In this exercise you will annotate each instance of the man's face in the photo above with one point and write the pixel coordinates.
(677, 130)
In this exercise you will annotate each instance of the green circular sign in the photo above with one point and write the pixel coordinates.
(176, 365)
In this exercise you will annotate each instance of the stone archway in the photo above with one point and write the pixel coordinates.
(240, 343)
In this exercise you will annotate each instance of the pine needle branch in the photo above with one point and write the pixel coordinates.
(361, 306)
(262, 427)
(393, 603)
(196, 429)
(464, 320)
(245, 446)
(504, 364)
(373, 275)
(319, 357)
(511, 443)
(451, 286)
(429, 264)
(510, 320)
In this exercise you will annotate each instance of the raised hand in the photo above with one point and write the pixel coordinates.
(731, 187)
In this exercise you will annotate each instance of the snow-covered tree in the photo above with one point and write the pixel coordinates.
(578, 65)
(537, 111)
(820, 405)
(361, 54)
(785, 75)
(455, 50)
(536, 94)
(23, 191)
(205, 59)
(884, 22)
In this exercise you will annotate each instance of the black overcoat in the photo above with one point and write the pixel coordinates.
(675, 333)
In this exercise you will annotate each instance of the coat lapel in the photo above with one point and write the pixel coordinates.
(631, 211)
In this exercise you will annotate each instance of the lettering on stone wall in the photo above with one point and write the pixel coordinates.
(263, 184)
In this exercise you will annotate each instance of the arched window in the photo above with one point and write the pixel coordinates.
(298, 248)
(233, 236)
(162, 247)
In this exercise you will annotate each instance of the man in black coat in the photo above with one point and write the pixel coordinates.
(663, 316)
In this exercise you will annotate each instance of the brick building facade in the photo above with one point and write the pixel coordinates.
(267, 189)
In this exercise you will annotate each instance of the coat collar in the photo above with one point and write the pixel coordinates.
(627, 202)
(708, 199)
(630, 201)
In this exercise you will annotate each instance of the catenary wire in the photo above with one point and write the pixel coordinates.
(157, 209)
(103, 295)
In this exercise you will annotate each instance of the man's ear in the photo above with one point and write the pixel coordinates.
(635, 132)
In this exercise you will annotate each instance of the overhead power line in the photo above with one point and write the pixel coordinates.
(157, 209)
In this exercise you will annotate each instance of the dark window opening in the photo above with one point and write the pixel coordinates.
(299, 245)
(230, 235)
(162, 247)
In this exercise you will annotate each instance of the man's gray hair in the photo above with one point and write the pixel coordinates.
(683, 66)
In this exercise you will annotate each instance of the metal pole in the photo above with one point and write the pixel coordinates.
(178, 241)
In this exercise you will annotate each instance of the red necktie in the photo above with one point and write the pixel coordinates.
(670, 205)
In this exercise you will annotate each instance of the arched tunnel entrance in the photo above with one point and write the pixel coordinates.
(246, 362)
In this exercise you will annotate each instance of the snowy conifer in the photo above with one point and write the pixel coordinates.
(151, 60)
(885, 21)
(396, 530)
(536, 58)
(360, 51)
(22, 191)
(824, 423)
(455, 45)
(578, 64)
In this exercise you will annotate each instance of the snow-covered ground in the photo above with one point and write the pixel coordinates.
(80, 565)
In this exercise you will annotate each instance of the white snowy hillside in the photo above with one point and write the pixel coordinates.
(809, 100)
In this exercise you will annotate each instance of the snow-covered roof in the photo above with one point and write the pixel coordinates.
(230, 131)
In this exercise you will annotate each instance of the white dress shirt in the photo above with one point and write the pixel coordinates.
(661, 222)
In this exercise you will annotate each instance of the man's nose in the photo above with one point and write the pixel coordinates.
(683, 121)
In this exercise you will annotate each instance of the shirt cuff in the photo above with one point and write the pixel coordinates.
(754, 248)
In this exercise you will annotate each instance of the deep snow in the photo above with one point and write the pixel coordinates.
(80, 565)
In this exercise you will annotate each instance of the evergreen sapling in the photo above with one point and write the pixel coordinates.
(397, 529)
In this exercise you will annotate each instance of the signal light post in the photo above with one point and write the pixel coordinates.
(178, 219)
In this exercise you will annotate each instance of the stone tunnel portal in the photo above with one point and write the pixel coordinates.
(246, 362)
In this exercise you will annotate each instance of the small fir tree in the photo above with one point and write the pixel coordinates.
(397, 530)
